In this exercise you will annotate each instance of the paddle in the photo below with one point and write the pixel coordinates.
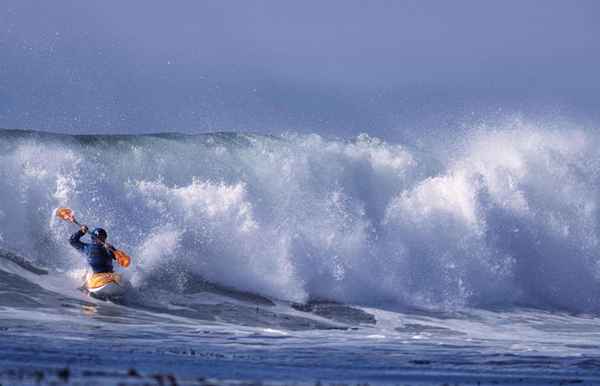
(122, 258)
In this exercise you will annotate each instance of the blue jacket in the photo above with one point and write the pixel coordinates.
(99, 257)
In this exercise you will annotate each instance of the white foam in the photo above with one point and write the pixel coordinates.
(511, 217)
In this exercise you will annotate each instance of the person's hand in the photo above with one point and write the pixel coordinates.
(84, 229)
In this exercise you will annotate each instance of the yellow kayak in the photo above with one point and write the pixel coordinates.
(106, 284)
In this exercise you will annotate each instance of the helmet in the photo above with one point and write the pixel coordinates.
(99, 233)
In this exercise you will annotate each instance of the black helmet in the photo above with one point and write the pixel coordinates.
(99, 233)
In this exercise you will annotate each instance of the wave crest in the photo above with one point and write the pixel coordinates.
(510, 218)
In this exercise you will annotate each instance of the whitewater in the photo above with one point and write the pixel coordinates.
(299, 258)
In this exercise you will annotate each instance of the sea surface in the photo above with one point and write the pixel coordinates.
(299, 259)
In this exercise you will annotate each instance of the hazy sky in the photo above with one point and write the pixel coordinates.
(336, 67)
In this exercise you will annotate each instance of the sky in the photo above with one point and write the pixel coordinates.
(332, 67)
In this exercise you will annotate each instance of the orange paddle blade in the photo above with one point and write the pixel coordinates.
(122, 258)
(65, 214)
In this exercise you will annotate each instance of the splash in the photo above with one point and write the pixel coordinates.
(509, 219)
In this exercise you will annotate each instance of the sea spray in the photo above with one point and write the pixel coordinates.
(509, 219)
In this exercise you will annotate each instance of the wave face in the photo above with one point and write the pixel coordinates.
(510, 218)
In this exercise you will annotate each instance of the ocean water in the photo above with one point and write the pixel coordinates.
(298, 258)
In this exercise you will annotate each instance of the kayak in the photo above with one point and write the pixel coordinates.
(105, 285)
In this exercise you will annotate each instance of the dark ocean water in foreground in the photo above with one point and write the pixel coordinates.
(214, 337)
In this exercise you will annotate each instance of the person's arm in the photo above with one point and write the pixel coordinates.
(110, 250)
(75, 238)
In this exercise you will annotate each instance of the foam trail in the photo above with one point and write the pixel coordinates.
(511, 219)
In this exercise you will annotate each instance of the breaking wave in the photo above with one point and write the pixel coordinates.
(509, 217)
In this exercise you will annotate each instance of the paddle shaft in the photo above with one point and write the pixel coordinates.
(104, 243)
(122, 258)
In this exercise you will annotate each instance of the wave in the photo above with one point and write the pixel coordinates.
(507, 217)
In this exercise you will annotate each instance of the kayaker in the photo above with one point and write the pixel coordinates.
(103, 283)
(99, 256)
